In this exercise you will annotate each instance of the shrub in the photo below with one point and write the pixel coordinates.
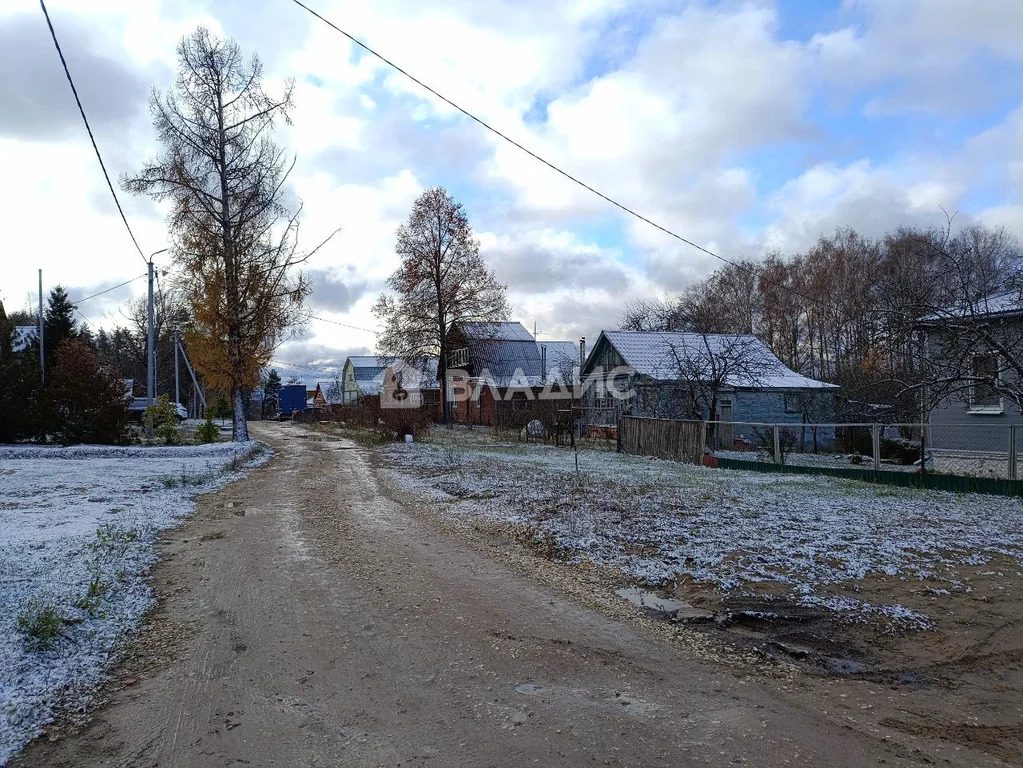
(395, 423)
(85, 402)
(163, 416)
(900, 449)
(220, 409)
(207, 432)
(40, 624)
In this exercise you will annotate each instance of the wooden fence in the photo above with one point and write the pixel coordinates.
(664, 438)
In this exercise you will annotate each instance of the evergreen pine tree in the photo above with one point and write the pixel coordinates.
(271, 392)
(60, 323)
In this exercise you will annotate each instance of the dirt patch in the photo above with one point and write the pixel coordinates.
(958, 682)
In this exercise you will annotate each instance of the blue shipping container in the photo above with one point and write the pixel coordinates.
(292, 399)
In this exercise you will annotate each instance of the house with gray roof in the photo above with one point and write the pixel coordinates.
(728, 378)
(364, 376)
(498, 368)
(973, 354)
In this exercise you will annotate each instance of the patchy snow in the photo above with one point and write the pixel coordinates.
(658, 521)
(79, 528)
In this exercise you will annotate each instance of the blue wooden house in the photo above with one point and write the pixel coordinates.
(730, 378)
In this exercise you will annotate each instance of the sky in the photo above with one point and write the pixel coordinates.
(745, 127)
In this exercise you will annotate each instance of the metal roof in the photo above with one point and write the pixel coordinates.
(562, 356)
(1008, 304)
(502, 331)
(656, 354)
(369, 371)
(331, 391)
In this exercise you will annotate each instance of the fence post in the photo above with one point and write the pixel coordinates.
(703, 442)
(923, 449)
(875, 437)
(1013, 470)
(777, 445)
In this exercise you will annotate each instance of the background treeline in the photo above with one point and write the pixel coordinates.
(845, 310)
(82, 398)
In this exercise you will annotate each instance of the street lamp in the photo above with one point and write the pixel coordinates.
(150, 348)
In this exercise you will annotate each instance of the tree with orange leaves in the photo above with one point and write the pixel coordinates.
(235, 242)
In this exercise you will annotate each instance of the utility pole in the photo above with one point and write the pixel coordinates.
(42, 356)
(150, 348)
(150, 356)
(177, 385)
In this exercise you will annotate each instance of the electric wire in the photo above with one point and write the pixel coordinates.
(92, 137)
(632, 212)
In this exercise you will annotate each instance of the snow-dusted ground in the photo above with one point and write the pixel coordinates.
(993, 464)
(658, 520)
(79, 527)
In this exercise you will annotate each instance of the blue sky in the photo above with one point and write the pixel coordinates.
(744, 125)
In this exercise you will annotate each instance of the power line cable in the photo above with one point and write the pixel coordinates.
(88, 128)
(343, 325)
(552, 166)
(108, 290)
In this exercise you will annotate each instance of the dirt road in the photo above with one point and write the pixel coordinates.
(306, 620)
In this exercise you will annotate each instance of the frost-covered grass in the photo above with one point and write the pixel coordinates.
(79, 528)
(809, 536)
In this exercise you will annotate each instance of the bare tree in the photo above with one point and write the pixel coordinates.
(442, 280)
(667, 314)
(235, 242)
(970, 328)
(702, 366)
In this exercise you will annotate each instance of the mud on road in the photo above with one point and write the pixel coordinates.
(306, 619)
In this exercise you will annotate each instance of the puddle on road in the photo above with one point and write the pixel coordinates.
(646, 598)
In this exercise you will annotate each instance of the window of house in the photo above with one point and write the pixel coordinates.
(792, 404)
(459, 358)
(984, 395)
(518, 401)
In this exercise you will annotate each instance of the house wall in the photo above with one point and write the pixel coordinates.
(349, 389)
(957, 428)
(768, 407)
(664, 400)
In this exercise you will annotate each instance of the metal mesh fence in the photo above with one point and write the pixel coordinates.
(971, 450)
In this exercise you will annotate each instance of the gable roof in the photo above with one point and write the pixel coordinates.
(503, 353)
(369, 370)
(1006, 304)
(506, 354)
(498, 331)
(653, 354)
(330, 391)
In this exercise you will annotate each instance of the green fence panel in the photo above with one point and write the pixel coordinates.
(954, 483)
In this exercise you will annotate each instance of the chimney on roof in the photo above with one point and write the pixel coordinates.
(582, 352)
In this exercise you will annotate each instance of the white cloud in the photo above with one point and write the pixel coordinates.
(676, 109)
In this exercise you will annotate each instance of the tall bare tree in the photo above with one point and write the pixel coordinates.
(235, 241)
(442, 280)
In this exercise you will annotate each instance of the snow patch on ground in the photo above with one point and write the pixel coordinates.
(79, 531)
(658, 521)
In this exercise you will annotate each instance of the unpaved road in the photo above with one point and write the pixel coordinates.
(306, 620)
